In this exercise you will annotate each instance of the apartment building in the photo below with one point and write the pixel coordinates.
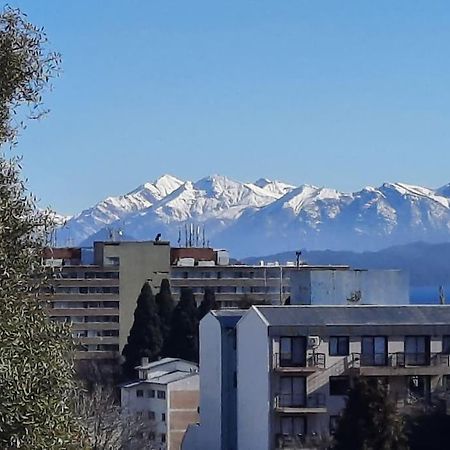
(96, 290)
(165, 398)
(291, 367)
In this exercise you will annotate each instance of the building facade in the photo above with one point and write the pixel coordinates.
(293, 366)
(96, 290)
(165, 398)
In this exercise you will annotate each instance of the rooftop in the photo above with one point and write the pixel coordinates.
(355, 315)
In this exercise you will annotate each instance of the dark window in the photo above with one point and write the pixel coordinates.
(163, 417)
(151, 436)
(151, 415)
(417, 350)
(418, 387)
(150, 393)
(333, 424)
(374, 351)
(161, 394)
(292, 351)
(293, 426)
(339, 345)
(139, 393)
(163, 438)
(339, 385)
(446, 345)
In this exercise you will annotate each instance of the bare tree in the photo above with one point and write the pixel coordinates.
(107, 427)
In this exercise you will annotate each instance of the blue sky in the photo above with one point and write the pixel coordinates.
(334, 93)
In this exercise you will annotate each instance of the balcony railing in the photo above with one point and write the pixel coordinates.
(399, 359)
(285, 360)
(316, 400)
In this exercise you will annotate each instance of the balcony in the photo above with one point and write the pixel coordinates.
(309, 364)
(400, 363)
(300, 404)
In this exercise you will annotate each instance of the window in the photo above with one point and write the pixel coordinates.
(292, 391)
(163, 417)
(339, 385)
(150, 393)
(161, 394)
(417, 350)
(151, 436)
(446, 345)
(418, 387)
(293, 426)
(333, 424)
(292, 351)
(163, 438)
(139, 393)
(339, 346)
(151, 415)
(374, 351)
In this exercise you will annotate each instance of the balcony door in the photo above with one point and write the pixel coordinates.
(292, 392)
(293, 351)
(374, 351)
(417, 350)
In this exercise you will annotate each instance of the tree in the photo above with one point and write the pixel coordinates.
(370, 420)
(183, 338)
(36, 369)
(165, 305)
(208, 303)
(145, 337)
(108, 426)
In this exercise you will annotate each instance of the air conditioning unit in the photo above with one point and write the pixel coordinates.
(313, 341)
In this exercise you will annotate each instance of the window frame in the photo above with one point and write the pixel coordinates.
(339, 351)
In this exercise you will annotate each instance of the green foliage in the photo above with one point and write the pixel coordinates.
(428, 430)
(208, 303)
(183, 338)
(165, 305)
(370, 420)
(36, 371)
(145, 337)
(26, 67)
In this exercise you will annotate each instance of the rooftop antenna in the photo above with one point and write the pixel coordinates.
(441, 295)
(179, 237)
(204, 241)
(298, 253)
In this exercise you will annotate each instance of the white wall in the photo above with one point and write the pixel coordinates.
(210, 383)
(253, 396)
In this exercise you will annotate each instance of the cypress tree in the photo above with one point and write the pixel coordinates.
(145, 337)
(208, 303)
(183, 338)
(370, 420)
(165, 305)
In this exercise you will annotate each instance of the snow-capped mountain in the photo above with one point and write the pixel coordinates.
(113, 209)
(270, 216)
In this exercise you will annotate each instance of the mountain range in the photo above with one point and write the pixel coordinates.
(266, 216)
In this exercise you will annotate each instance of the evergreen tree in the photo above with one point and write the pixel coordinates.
(183, 338)
(370, 420)
(208, 303)
(165, 305)
(37, 386)
(145, 337)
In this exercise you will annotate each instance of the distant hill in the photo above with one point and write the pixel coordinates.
(427, 264)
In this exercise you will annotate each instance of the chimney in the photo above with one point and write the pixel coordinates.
(145, 360)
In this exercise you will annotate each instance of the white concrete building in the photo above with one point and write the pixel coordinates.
(273, 377)
(166, 398)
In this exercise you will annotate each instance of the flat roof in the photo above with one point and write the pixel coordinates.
(355, 315)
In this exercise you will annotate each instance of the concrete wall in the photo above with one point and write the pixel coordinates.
(342, 287)
(253, 396)
(138, 262)
(210, 383)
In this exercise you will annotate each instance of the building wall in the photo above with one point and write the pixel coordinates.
(210, 382)
(341, 287)
(183, 409)
(138, 262)
(253, 398)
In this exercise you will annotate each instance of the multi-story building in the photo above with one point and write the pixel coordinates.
(96, 290)
(165, 399)
(292, 367)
